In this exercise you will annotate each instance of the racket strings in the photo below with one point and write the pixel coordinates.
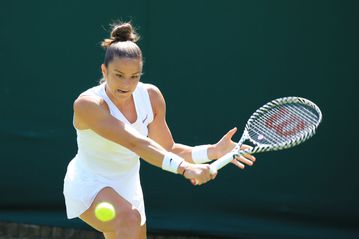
(293, 113)
(308, 115)
(282, 123)
(257, 130)
(259, 136)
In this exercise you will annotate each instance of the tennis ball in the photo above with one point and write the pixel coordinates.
(105, 212)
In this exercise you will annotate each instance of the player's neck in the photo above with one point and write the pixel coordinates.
(123, 104)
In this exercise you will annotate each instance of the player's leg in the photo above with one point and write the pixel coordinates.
(113, 235)
(127, 222)
(143, 232)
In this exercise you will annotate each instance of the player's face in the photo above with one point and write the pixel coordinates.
(122, 76)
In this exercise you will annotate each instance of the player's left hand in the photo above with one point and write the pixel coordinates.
(225, 145)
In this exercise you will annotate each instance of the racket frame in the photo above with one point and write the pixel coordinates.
(258, 147)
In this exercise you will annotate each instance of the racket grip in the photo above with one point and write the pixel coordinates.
(218, 164)
(221, 162)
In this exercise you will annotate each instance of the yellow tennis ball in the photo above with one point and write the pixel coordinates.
(105, 212)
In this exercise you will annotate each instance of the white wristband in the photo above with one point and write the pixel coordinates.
(200, 154)
(171, 162)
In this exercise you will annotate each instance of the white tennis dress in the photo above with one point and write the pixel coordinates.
(102, 163)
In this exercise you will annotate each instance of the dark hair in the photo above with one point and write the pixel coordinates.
(121, 43)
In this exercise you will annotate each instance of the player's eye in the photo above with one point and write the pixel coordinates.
(119, 75)
(135, 77)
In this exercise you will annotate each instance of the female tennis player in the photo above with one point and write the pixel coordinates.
(117, 122)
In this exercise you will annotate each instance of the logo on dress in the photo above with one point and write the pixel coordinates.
(143, 121)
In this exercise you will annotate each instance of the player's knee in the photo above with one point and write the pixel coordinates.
(134, 218)
(130, 219)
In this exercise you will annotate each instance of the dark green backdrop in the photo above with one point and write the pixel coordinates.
(215, 62)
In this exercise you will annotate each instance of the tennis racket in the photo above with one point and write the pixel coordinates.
(280, 124)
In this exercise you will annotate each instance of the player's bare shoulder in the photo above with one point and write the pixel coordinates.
(84, 102)
(156, 97)
(87, 106)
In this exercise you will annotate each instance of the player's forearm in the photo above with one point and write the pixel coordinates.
(185, 151)
(149, 151)
(153, 153)
(130, 138)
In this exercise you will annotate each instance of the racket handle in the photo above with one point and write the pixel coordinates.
(218, 164)
(221, 162)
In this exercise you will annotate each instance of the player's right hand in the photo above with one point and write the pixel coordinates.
(198, 174)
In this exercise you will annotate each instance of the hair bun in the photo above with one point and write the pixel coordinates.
(124, 32)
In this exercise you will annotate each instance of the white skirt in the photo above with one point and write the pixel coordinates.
(81, 187)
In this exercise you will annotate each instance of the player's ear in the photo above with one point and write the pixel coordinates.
(104, 70)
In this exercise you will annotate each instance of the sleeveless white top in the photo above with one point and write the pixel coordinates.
(102, 163)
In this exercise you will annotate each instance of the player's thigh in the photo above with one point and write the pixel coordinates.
(114, 235)
(125, 215)
(143, 232)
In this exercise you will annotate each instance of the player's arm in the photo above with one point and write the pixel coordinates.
(160, 132)
(158, 129)
(92, 113)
